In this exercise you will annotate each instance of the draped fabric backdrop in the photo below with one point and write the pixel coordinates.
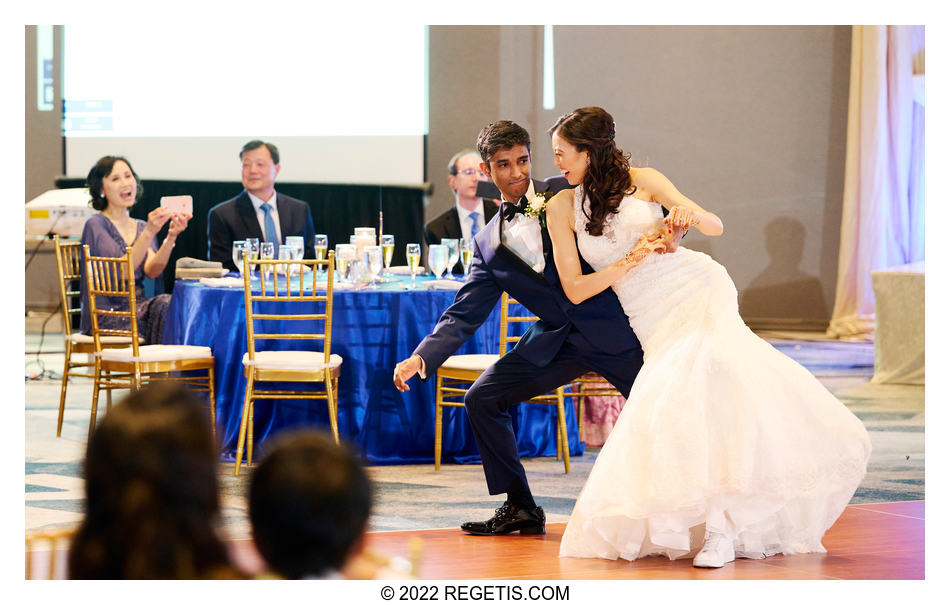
(882, 223)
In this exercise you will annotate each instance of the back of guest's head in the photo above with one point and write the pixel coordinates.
(309, 505)
(98, 173)
(151, 492)
(256, 143)
(502, 134)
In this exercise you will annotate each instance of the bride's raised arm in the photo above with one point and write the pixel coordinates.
(577, 286)
(664, 192)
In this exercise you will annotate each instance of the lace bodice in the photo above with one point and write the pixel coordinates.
(635, 218)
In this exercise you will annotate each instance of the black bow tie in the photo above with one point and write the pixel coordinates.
(509, 210)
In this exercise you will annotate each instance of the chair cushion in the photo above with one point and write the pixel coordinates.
(479, 361)
(149, 353)
(291, 360)
(79, 337)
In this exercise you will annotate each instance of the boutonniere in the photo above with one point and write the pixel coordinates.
(537, 205)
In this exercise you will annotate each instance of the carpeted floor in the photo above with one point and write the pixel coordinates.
(418, 497)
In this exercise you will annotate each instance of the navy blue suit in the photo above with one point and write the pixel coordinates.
(236, 220)
(567, 341)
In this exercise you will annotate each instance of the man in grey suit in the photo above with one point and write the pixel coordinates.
(259, 211)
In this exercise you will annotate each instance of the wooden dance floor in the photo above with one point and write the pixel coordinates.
(883, 541)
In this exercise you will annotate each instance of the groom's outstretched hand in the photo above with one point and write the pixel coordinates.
(406, 369)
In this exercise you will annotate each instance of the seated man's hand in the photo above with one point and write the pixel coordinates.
(404, 370)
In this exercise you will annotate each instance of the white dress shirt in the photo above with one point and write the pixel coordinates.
(465, 219)
(258, 202)
(522, 235)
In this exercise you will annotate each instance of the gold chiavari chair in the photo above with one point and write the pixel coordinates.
(69, 265)
(302, 366)
(131, 367)
(591, 384)
(460, 370)
(46, 551)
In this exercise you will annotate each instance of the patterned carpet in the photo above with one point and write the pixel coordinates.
(418, 497)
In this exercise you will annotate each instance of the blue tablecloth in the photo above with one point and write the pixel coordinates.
(373, 329)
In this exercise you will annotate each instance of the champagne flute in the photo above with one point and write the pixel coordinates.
(453, 246)
(237, 255)
(253, 249)
(373, 261)
(267, 253)
(413, 252)
(320, 248)
(389, 245)
(466, 252)
(438, 259)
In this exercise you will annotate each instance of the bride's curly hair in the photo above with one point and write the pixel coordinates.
(607, 179)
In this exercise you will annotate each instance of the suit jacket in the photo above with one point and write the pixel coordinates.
(599, 319)
(236, 219)
(449, 225)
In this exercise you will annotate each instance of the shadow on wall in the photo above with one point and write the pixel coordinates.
(782, 290)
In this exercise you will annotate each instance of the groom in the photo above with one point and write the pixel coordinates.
(513, 253)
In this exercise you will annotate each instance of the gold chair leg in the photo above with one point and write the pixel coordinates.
(562, 426)
(242, 434)
(439, 398)
(331, 405)
(250, 434)
(95, 398)
(62, 389)
(580, 417)
(109, 393)
(212, 403)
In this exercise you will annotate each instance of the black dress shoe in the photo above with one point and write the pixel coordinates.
(507, 519)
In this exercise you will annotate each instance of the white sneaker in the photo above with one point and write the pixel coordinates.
(716, 552)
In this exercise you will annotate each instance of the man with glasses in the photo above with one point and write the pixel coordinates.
(470, 212)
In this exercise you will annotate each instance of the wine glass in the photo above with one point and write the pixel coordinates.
(438, 259)
(253, 250)
(267, 253)
(320, 248)
(296, 242)
(466, 251)
(389, 245)
(453, 246)
(373, 261)
(345, 254)
(413, 252)
(237, 255)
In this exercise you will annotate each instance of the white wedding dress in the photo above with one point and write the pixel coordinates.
(720, 432)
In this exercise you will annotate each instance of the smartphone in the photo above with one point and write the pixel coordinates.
(177, 203)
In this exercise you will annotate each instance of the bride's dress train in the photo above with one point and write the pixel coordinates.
(720, 432)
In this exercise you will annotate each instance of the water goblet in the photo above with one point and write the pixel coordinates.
(285, 252)
(413, 252)
(466, 252)
(345, 256)
(372, 261)
(453, 246)
(237, 255)
(438, 259)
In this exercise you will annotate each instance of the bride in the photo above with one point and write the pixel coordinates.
(724, 443)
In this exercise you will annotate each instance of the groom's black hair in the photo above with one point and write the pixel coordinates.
(502, 134)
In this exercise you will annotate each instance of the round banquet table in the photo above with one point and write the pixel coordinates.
(373, 329)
